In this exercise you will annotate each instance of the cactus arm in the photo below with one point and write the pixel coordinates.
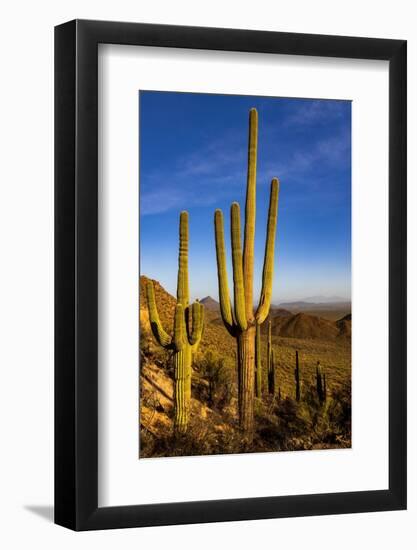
(268, 269)
(250, 214)
(239, 288)
(180, 329)
(183, 293)
(158, 331)
(198, 323)
(224, 296)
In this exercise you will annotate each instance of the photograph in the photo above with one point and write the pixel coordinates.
(245, 274)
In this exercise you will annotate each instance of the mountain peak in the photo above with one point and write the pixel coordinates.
(210, 303)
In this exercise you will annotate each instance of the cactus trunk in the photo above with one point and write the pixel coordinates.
(246, 378)
(320, 383)
(258, 360)
(241, 320)
(182, 389)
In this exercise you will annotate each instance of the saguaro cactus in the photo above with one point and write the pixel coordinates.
(297, 378)
(258, 360)
(320, 383)
(270, 362)
(185, 340)
(241, 320)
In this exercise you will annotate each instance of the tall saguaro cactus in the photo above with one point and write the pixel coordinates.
(185, 340)
(241, 320)
(270, 362)
(297, 378)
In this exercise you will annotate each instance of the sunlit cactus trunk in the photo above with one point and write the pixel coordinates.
(258, 362)
(185, 340)
(182, 388)
(246, 378)
(241, 319)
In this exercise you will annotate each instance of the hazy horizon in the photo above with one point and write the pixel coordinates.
(193, 154)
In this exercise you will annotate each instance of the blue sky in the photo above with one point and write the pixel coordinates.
(193, 156)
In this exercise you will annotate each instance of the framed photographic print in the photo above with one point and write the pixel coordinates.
(230, 275)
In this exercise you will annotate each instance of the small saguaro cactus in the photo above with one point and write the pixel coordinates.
(185, 340)
(270, 362)
(258, 361)
(241, 320)
(324, 387)
(297, 378)
(320, 383)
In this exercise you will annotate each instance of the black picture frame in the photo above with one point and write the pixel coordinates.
(76, 272)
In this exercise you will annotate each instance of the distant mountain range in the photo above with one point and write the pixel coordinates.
(331, 311)
(303, 319)
(305, 305)
(324, 300)
(286, 308)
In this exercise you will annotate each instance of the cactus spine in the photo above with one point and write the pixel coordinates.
(184, 341)
(241, 321)
(258, 359)
(271, 362)
(297, 378)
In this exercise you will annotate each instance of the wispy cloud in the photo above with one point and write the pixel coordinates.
(301, 166)
(315, 112)
(197, 179)
(212, 173)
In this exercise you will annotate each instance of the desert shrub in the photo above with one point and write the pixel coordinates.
(340, 410)
(217, 371)
(201, 438)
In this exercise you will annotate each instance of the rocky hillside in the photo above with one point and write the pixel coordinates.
(310, 327)
(345, 326)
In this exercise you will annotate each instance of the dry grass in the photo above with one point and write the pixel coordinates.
(334, 357)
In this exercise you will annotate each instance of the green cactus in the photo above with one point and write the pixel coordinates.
(324, 387)
(258, 362)
(270, 362)
(241, 320)
(320, 383)
(184, 341)
(297, 378)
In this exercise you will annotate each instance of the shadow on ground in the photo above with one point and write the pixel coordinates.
(45, 512)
